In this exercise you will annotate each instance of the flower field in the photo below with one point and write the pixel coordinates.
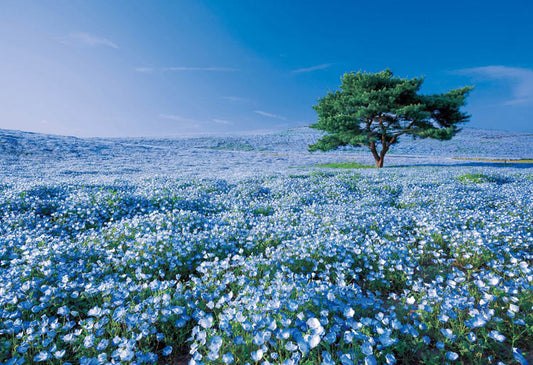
(406, 265)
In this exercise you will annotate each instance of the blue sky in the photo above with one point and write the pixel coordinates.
(153, 68)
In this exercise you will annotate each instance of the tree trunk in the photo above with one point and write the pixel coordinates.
(381, 159)
(375, 154)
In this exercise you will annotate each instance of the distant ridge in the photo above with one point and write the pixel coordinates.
(469, 143)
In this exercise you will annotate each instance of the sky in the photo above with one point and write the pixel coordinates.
(168, 68)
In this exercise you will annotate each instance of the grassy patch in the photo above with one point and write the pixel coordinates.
(474, 178)
(501, 160)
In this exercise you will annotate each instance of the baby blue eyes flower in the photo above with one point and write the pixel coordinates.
(42, 356)
(327, 359)
(21, 349)
(448, 333)
(59, 354)
(313, 323)
(346, 359)
(291, 346)
(450, 355)
(366, 348)
(63, 311)
(228, 358)
(440, 345)
(370, 360)
(206, 322)
(476, 322)
(167, 350)
(88, 341)
(519, 357)
(257, 355)
(126, 354)
(390, 359)
(95, 312)
(102, 345)
(69, 337)
(496, 336)
(312, 340)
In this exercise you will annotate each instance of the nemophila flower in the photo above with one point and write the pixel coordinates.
(478, 321)
(95, 312)
(22, 348)
(312, 340)
(440, 345)
(59, 354)
(327, 359)
(228, 358)
(390, 359)
(517, 354)
(102, 345)
(448, 333)
(102, 358)
(88, 341)
(257, 355)
(126, 354)
(346, 359)
(370, 360)
(366, 348)
(167, 351)
(42, 356)
(496, 336)
(291, 346)
(450, 355)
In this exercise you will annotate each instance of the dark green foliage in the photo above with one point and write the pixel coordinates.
(374, 110)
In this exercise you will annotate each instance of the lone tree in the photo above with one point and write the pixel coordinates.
(374, 110)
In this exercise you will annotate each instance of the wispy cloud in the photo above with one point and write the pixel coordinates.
(86, 39)
(270, 115)
(208, 69)
(236, 99)
(179, 118)
(520, 79)
(312, 68)
(222, 121)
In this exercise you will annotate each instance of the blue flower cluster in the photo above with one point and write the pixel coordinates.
(402, 265)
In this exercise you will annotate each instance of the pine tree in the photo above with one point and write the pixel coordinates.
(374, 110)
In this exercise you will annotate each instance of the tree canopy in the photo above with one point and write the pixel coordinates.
(374, 109)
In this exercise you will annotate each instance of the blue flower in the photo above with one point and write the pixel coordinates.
(496, 336)
(450, 355)
(42, 356)
(227, 358)
(257, 355)
(167, 350)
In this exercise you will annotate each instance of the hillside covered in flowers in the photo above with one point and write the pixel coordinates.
(243, 250)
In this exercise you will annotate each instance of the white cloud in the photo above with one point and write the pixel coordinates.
(222, 121)
(312, 68)
(86, 39)
(270, 115)
(520, 79)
